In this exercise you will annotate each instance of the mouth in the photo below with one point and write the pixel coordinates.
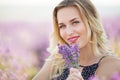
(73, 39)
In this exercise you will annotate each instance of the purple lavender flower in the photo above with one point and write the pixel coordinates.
(93, 78)
(116, 76)
(70, 54)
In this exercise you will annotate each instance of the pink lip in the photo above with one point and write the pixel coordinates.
(73, 39)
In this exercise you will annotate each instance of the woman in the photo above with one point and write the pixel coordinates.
(77, 22)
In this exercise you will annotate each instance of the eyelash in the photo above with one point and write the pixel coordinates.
(75, 22)
(61, 26)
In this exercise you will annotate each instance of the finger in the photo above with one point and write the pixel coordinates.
(69, 77)
(72, 70)
(72, 78)
(74, 73)
(77, 75)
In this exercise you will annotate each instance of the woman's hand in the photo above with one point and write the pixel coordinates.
(74, 74)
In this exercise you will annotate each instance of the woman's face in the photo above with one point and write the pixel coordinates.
(71, 26)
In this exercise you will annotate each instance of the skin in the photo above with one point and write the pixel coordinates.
(70, 25)
(44, 73)
(73, 31)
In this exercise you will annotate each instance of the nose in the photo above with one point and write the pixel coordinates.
(69, 31)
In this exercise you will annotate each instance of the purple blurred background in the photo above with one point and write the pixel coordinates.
(24, 34)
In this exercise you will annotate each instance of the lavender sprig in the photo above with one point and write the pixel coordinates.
(70, 54)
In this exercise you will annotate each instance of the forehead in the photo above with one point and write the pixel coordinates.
(68, 13)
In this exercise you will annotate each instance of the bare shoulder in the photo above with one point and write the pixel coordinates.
(44, 73)
(111, 61)
(108, 66)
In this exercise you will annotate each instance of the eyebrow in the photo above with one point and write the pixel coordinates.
(70, 21)
(73, 19)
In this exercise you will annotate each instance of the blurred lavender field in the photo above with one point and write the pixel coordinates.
(22, 49)
(24, 37)
(23, 46)
(112, 28)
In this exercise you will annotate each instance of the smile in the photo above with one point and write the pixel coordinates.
(73, 39)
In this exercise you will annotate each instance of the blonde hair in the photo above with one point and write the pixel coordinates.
(90, 18)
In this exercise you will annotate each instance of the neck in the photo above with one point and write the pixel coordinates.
(86, 55)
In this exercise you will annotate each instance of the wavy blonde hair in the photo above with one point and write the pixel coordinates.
(90, 18)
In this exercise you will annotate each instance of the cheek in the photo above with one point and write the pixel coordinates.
(81, 30)
(62, 34)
